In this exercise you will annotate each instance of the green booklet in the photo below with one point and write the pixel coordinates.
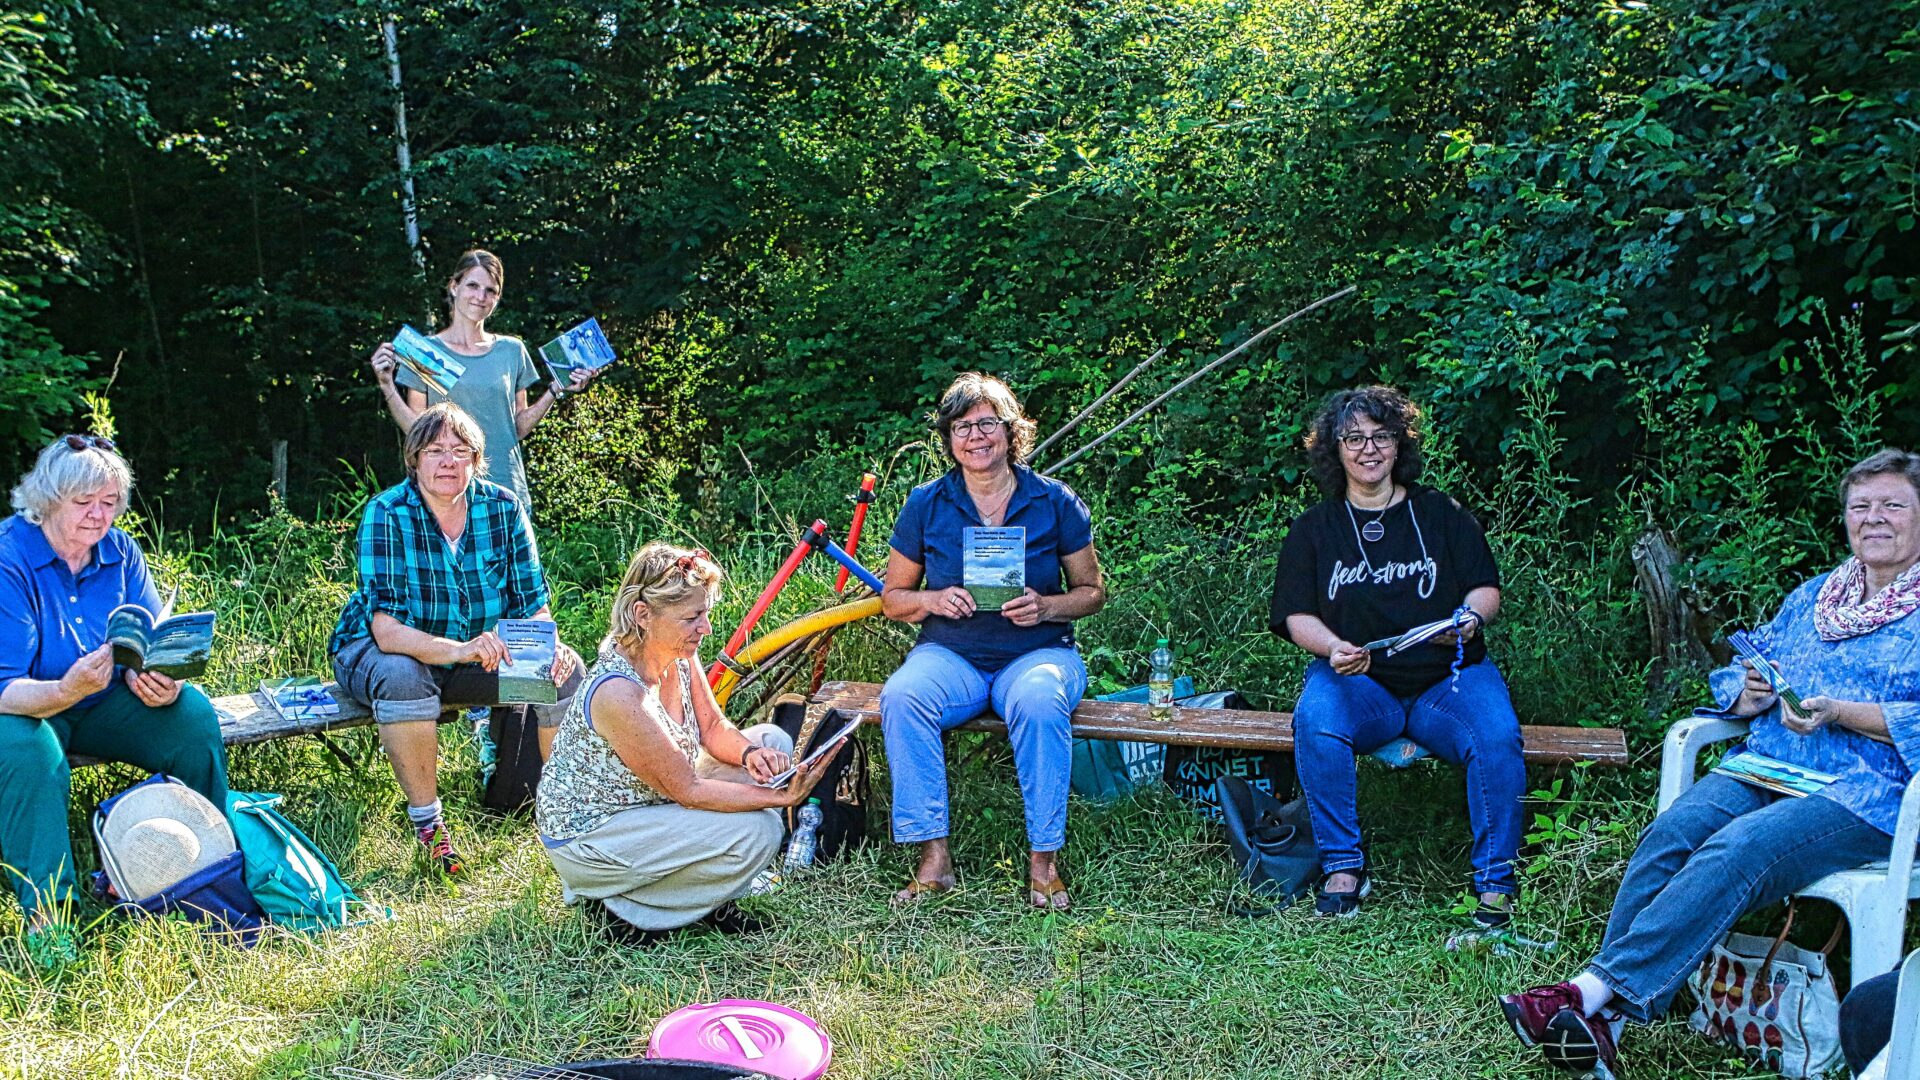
(993, 565)
(434, 363)
(527, 676)
(176, 646)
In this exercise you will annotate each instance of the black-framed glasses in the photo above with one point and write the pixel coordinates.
(88, 442)
(1354, 440)
(986, 425)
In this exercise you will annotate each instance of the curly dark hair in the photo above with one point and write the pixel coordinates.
(971, 388)
(1384, 406)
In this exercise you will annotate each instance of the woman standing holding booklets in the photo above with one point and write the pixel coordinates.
(64, 568)
(1019, 659)
(1383, 555)
(443, 557)
(499, 371)
(1848, 644)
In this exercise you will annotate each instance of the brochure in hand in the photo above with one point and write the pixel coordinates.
(1750, 652)
(436, 364)
(1400, 643)
(993, 566)
(176, 646)
(1774, 775)
(304, 697)
(826, 746)
(527, 676)
(584, 347)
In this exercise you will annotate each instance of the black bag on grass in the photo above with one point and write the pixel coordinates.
(1191, 771)
(1271, 843)
(844, 790)
(516, 760)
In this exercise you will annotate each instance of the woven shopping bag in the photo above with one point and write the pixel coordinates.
(1771, 1001)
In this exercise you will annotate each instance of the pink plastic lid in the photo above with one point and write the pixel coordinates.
(755, 1035)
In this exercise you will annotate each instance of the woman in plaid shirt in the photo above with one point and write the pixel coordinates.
(443, 556)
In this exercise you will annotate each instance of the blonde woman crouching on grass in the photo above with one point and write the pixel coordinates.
(651, 806)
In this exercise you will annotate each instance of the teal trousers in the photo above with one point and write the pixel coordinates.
(36, 850)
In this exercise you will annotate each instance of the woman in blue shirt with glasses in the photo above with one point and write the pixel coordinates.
(64, 567)
(1019, 660)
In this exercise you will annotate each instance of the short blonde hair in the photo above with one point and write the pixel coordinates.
(62, 472)
(660, 575)
(971, 389)
(435, 419)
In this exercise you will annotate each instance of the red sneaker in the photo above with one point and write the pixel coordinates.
(1530, 1011)
(439, 844)
(1550, 1017)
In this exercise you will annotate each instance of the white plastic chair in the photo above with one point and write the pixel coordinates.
(1873, 896)
(1901, 1058)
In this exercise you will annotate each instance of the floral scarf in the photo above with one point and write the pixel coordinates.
(1843, 609)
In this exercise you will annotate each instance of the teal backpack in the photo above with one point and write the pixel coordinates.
(295, 883)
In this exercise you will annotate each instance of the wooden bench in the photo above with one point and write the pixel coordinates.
(1239, 729)
(249, 718)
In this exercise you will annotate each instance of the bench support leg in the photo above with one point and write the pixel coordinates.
(336, 751)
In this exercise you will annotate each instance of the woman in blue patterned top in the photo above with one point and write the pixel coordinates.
(1018, 659)
(443, 557)
(1848, 642)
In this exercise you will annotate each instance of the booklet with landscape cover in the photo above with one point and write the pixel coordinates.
(583, 347)
(436, 364)
(304, 697)
(1400, 643)
(527, 677)
(825, 747)
(993, 566)
(176, 646)
(1774, 775)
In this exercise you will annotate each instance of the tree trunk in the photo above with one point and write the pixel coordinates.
(1677, 650)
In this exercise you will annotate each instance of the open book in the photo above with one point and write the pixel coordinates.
(176, 646)
(527, 676)
(1774, 775)
(303, 697)
(434, 363)
(825, 747)
(993, 566)
(1400, 643)
(584, 347)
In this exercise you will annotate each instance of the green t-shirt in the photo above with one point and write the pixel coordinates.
(487, 392)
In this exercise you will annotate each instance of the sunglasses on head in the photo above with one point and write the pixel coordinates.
(88, 442)
(685, 562)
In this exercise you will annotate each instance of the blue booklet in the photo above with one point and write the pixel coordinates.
(434, 363)
(527, 676)
(993, 566)
(584, 347)
(176, 646)
(304, 697)
(1772, 774)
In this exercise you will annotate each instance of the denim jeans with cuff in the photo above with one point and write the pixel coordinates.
(1340, 717)
(935, 690)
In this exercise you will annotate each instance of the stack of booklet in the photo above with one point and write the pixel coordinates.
(303, 698)
(1774, 775)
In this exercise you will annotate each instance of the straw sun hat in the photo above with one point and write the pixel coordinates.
(158, 835)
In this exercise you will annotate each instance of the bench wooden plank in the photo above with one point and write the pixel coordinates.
(1239, 729)
(249, 718)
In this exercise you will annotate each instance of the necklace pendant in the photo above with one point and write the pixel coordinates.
(1373, 531)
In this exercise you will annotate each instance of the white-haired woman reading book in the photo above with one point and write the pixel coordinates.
(1847, 645)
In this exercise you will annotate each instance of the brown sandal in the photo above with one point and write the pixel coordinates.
(917, 889)
(1049, 895)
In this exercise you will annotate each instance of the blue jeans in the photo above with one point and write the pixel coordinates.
(1721, 850)
(1340, 717)
(935, 691)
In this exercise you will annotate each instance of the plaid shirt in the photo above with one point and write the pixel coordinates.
(407, 572)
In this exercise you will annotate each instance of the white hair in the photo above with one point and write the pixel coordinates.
(61, 473)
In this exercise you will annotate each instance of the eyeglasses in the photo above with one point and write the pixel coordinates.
(88, 442)
(986, 425)
(686, 562)
(457, 453)
(1354, 440)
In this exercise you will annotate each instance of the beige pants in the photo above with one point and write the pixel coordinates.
(664, 866)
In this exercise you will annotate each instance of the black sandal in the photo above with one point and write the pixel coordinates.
(1341, 905)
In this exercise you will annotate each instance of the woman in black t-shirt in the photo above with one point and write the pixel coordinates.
(1381, 556)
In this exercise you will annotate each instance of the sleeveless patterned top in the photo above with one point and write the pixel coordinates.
(585, 782)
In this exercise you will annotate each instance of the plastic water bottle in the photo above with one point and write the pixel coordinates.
(481, 717)
(806, 838)
(1160, 683)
